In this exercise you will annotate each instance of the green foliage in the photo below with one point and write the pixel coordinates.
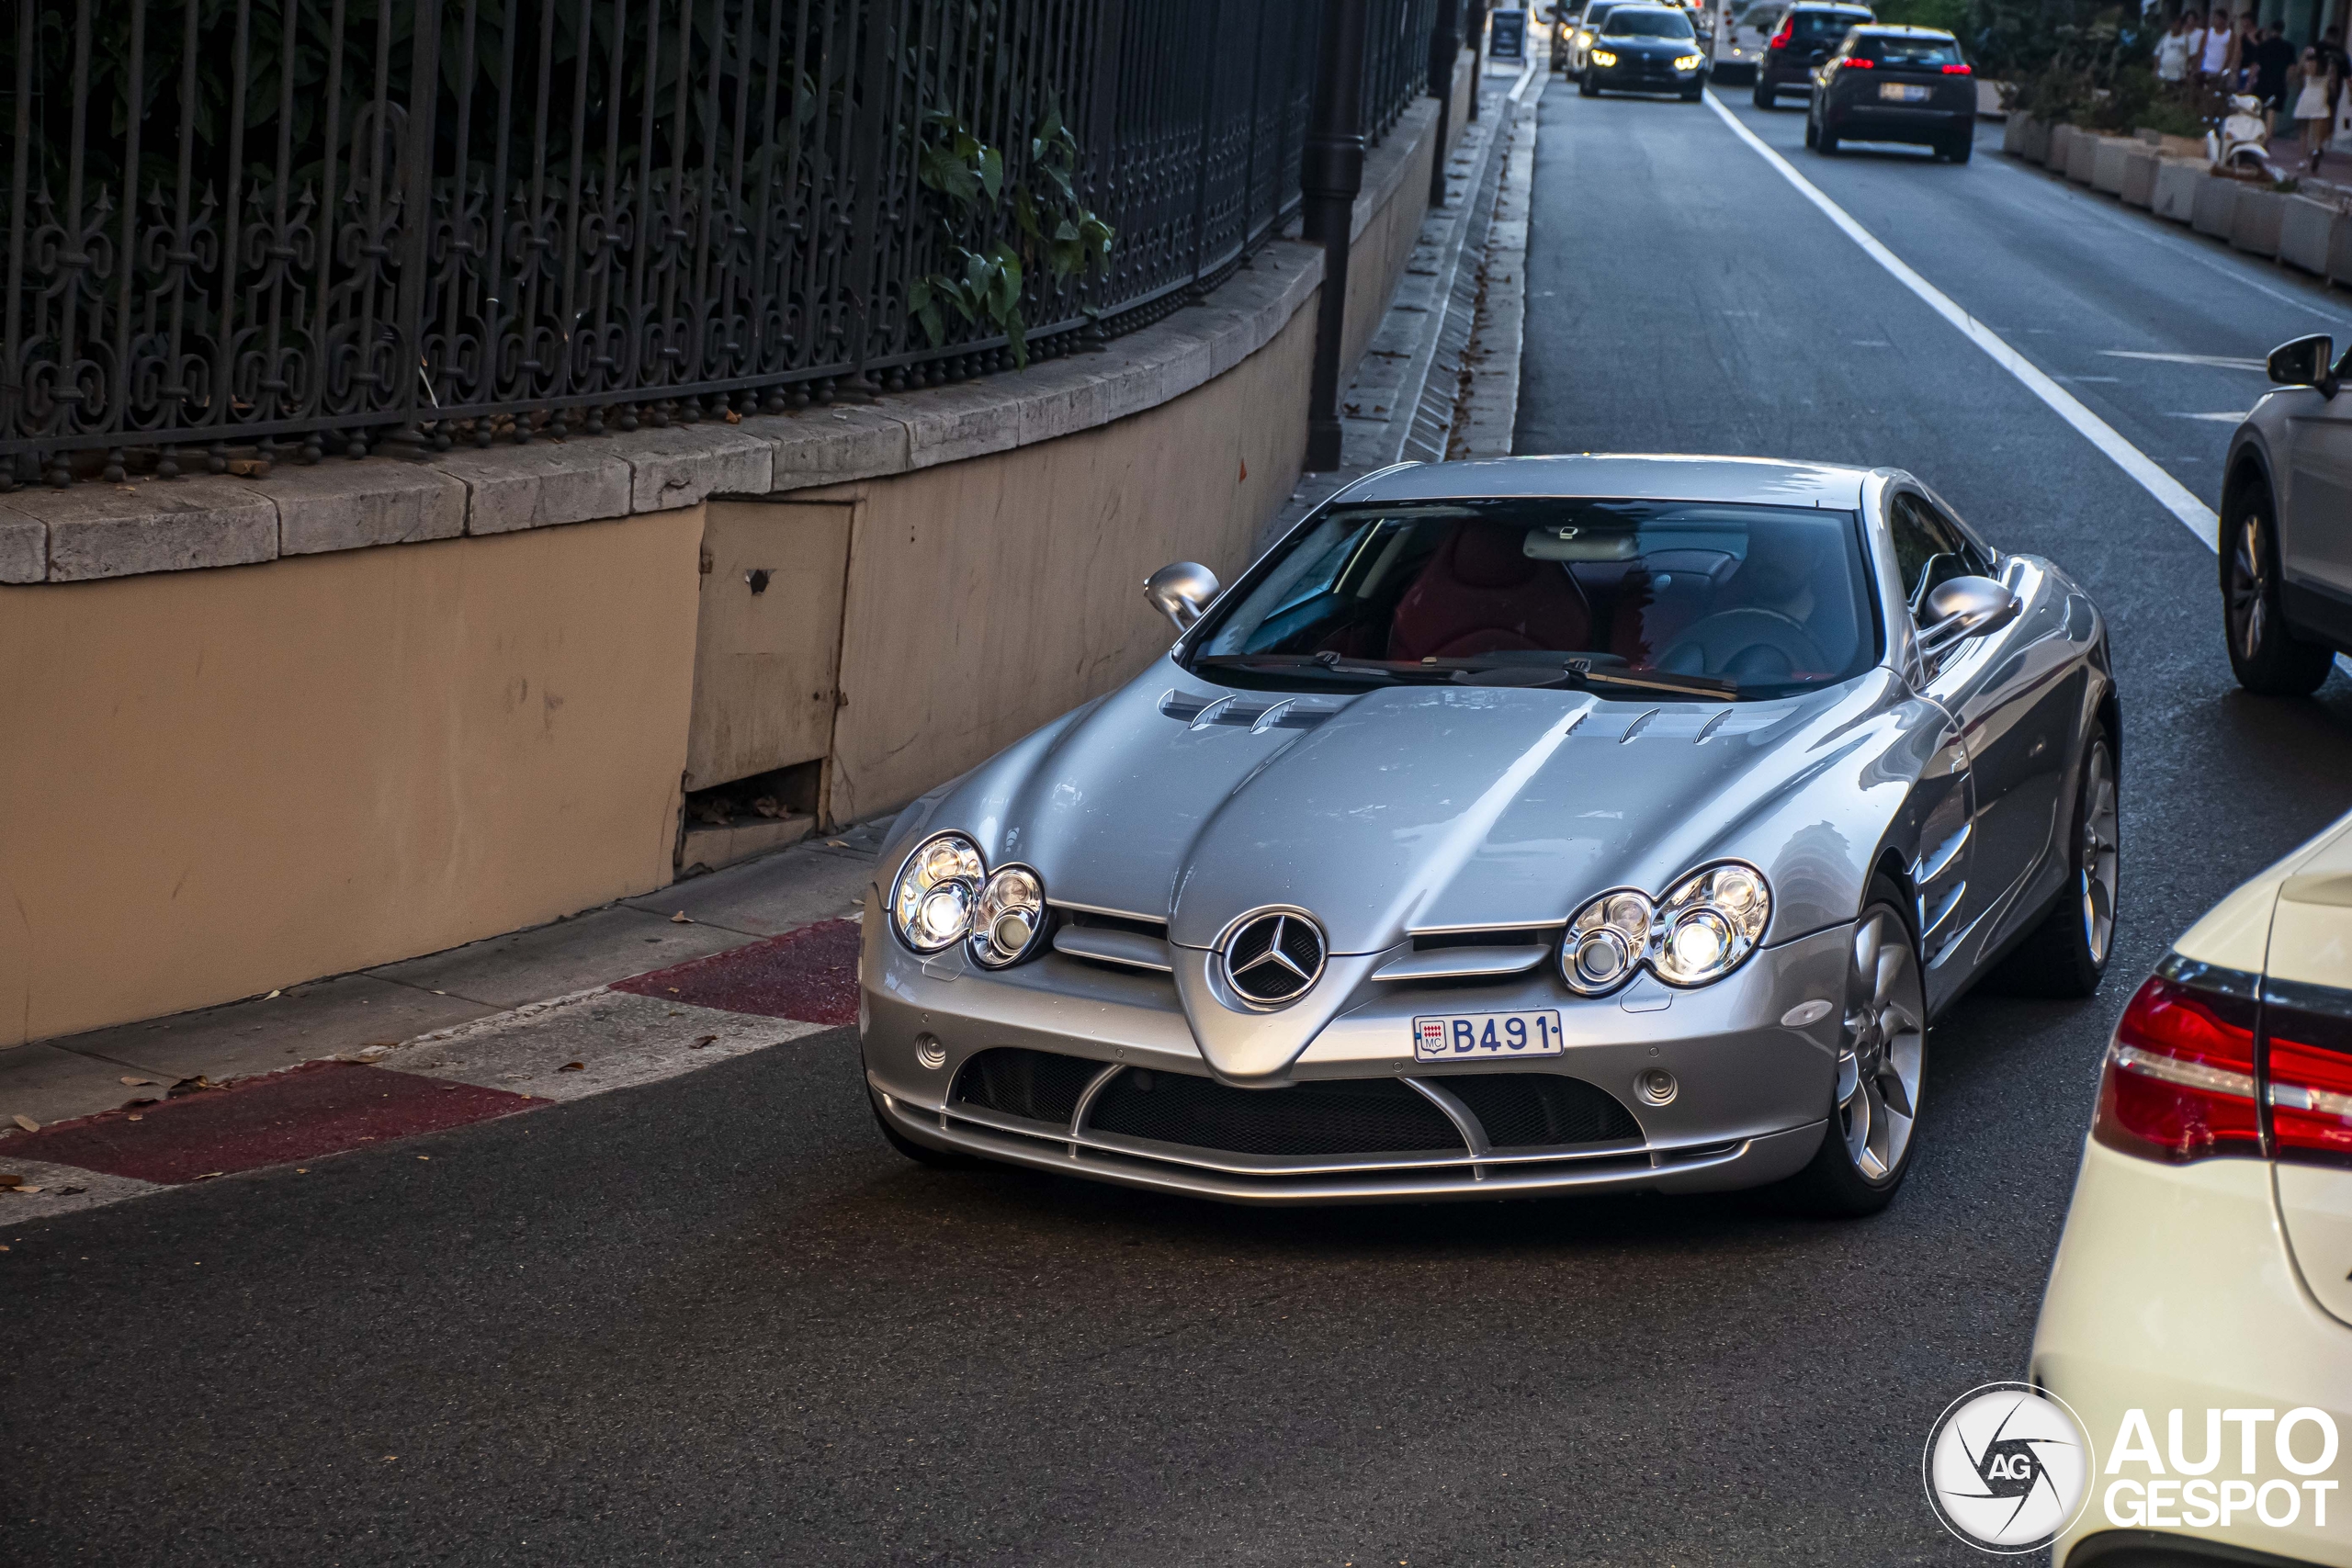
(1956, 17)
(1051, 226)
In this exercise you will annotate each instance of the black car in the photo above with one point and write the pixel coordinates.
(1644, 48)
(1803, 41)
(1889, 84)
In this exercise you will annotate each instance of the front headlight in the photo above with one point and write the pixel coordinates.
(930, 905)
(1690, 61)
(1584, 35)
(1009, 919)
(1603, 57)
(1606, 943)
(1710, 922)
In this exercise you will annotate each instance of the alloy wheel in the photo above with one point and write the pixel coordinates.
(1879, 1061)
(2098, 854)
(2249, 590)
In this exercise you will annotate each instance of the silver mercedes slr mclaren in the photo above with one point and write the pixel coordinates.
(1535, 826)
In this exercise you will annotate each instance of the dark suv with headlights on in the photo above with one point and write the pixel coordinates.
(1644, 48)
(1895, 84)
(1803, 41)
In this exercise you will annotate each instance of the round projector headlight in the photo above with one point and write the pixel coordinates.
(1008, 917)
(931, 906)
(1709, 922)
(1606, 943)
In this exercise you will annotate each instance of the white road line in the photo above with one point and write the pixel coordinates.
(2169, 492)
(2218, 361)
(2229, 419)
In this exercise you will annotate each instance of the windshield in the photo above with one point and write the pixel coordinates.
(1751, 601)
(1643, 23)
(1906, 49)
(1821, 27)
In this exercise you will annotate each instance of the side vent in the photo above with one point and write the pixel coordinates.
(1252, 714)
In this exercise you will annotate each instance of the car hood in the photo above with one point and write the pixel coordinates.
(1403, 809)
(1647, 47)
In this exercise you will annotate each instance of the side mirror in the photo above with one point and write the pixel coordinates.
(1817, 57)
(2306, 362)
(1182, 592)
(1962, 608)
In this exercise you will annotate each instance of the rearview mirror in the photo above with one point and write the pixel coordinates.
(2306, 362)
(1181, 592)
(1962, 608)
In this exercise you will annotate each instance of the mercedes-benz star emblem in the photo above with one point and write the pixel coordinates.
(1273, 958)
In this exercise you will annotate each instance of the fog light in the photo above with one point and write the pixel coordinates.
(1657, 1087)
(933, 1054)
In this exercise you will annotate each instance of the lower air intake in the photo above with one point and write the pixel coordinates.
(1540, 1110)
(1349, 1117)
(1040, 1085)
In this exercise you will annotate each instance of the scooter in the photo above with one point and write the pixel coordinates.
(2242, 143)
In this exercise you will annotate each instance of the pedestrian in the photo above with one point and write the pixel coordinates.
(2212, 64)
(2175, 49)
(2315, 106)
(2274, 61)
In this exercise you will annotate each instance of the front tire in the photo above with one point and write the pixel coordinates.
(1881, 1064)
(2066, 954)
(1693, 95)
(1585, 89)
(2265, 654)
(1763, 96)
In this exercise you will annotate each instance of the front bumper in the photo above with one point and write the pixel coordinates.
(2173, 1290)
(1749, 1106)
(1627, 77)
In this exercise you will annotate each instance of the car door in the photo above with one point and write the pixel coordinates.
(1943, 808)
(2016, 695)
(2315, 535)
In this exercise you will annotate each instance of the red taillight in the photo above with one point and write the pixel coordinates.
(2307, 1073)
(1955, 70)
(2179, 1082)
(1788, 30)
(1858, 61)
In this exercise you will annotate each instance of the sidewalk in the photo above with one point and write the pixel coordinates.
(742, 960)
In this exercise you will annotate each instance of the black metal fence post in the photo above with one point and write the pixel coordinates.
(1474, 33)
(1331, 176)
(1445, 49)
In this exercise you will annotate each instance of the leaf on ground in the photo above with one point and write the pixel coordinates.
(10, 1178)
(134, 1116)
(27, 1122)
(573, 1067)
(27, 1190)
(706, 1040)
(138, 1083)
(679, 919)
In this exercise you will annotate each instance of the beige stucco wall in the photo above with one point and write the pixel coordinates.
(1376, 258)
(217, 782)
(988, 596)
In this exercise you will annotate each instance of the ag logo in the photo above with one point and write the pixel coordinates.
(2007, 1467)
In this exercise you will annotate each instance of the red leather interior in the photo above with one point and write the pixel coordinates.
(1660, 599)
(1480, 594)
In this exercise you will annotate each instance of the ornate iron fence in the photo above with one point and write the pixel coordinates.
(314, 225)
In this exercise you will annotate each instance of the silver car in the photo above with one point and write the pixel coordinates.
(2286, 516)
(1539, 825)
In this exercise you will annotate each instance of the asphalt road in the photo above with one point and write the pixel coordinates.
(716, 1319)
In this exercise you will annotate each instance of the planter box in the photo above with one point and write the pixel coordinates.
(2304, 234)
(2217, 198)
(2108, 157)
(2138, 187)
(2013, 133)
(2062, 143)
(2339, 252)
(2256, 219)
(2034, 146)
(2082, 152)
(2177, 183)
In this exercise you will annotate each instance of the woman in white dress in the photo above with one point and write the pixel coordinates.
(2314, 105)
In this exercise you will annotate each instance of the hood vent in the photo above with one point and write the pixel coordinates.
(1255, 715)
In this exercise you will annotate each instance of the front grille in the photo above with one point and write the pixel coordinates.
(1040, 1085)
(1541, 1110)
(1356, 1116)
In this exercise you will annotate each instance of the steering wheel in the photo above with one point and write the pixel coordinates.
(1747, 645)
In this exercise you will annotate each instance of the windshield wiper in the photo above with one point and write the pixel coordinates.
(1319, 664)
(1582, 671)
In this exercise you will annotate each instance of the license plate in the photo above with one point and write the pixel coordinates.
(1896, 93)
(1480, 1036)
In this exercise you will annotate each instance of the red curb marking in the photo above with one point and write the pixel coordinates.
(320, 1107)
(810, 974)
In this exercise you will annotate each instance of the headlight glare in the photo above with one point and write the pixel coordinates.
(1009, 917)
(1688, 62)
(930, 905)
(1710, 920)
(1603, 57)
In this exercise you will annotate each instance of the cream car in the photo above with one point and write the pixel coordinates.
(2202, 1281)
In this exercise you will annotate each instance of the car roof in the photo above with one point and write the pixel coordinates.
(1622, 477)
(1839, 10)
(1900, 30)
